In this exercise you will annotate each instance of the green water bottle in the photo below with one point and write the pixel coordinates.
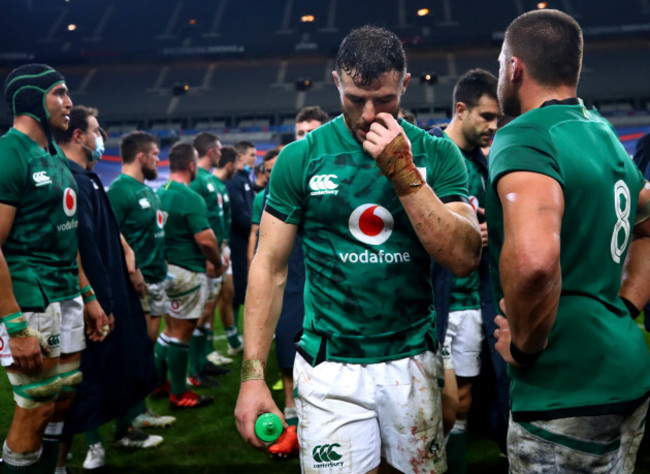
(268, 427)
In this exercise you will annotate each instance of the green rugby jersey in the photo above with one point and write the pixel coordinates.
(258, 207)
(205, 184)
(186, 216)
(596, 359)
(140, 217)
(368, 290)
(465, 290)
(224, 204)
(41, 248)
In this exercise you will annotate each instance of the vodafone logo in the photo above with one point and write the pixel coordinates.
(69, 202)
(371, 224)
(473, 200)
(323, 184)
(2, 343)
(175, 305)
(159, 218)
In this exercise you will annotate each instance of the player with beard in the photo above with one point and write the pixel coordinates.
(189, 242)
(140, 217)
(564, 201)
(465, 306)
(372, 198)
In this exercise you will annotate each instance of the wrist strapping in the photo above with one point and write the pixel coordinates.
(15, 322)
(252, 369)
(521, 357)
(88, 299)
(86, 289)
(396, 163)
(634, 311)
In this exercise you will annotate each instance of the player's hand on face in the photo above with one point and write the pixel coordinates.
(382, 132)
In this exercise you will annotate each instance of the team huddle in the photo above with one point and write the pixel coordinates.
(411, 249)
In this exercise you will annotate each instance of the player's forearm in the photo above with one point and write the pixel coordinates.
(209, 247)
(635, 286)
(262, 309)
(531, 286)
(8, 304)
(452, 239)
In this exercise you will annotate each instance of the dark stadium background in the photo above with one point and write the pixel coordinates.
(236, 67)
(244, 68)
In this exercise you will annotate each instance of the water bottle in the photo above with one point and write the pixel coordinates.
(268, 428)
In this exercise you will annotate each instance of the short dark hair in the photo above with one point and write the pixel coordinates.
(307, 114)
(78, 120)
(368, 52)
(473, 85)
(180, 156)
(204, 141)
(242, 146)
(270, 154)
(134, 143)
(228, 155)
(550, 44)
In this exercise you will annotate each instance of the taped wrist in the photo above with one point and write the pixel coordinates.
(634, 311)
(31, 332)
(524, 358)
(15, 322)
(252, 369)
(396, 163)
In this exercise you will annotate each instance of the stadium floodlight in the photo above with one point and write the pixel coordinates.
(429, 78)
(303, 84)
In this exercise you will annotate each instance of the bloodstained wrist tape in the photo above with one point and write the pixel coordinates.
(252, 369)
(396, 163)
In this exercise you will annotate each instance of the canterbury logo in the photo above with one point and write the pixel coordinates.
(326, 453)
(41, 178)
(323, 184)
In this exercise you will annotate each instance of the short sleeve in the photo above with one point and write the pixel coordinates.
(12, 178)
(197, 214)
(522, 148)
(285, 195)
(446, 171)
(258, 207)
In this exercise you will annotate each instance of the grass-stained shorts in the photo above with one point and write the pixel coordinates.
(352, 415)
(601, 444)
(154, 298)
(186, 293)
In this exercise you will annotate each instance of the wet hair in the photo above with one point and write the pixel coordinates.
(307, 114)
(550, 44)
(78, 121)
(368, 52)
(204, 141)
(134, 143)
(473, 85)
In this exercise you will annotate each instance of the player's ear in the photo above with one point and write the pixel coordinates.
(405, 81)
